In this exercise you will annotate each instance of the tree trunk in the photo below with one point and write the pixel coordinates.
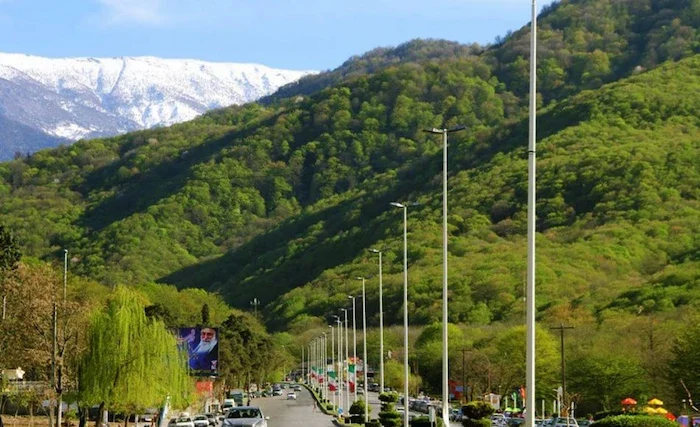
(101, 408)
(82, 414)
(126, 420)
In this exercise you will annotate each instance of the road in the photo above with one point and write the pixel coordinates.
(284, 413)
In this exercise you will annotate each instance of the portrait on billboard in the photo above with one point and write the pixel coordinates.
(202, 347)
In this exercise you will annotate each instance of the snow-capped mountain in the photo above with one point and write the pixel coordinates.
(67, 99)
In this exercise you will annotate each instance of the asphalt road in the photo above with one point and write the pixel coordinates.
(300, 412)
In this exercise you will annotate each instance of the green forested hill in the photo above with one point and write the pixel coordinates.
(619, 218)
(280, 201)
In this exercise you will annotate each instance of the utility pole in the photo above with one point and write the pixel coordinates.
(561, 329)
(464, 375)
(255, 303)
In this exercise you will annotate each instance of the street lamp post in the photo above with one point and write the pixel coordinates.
(65, 274)
(354, 348)
(531, 224)
(364, 347)
(339, 364)
(332, 363)
(381, 325)
(405, 310)
(445, 356)
(324, 366)
(347, 374)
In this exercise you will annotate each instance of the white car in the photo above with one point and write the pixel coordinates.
(200, 421)
(291, 396)
(181, 421)
(249, 416)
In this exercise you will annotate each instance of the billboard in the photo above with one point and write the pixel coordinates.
(202, 346)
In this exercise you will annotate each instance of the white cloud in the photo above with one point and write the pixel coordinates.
(149, 12)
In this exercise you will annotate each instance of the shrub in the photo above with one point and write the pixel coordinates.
(389, 397)
(635, 421)
(424, 421)
(477, 410)
(357, 410)
(373, 423)
(482, 422)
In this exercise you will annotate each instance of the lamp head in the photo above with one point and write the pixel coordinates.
(397, 205)
(375, 251)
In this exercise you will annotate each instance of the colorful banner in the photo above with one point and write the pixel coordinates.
(202, 346)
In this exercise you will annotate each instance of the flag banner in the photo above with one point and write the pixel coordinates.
(332, 374)
(351, 369)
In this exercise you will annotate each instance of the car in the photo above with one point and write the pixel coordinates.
(297, 388)
(249, 416)
(277, 392)
(200, 420)
(498, 420)
(564, 422)
(456, 415)
(212, 419)
(291, 396)
(181, 421)
(360, 390)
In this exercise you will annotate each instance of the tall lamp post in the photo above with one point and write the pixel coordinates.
(530, 294)
(364, 347)
(381, 324)
(404, 206)
(347, 374)
(339, 364)
(332, 364)
(445, 356)
(354, 348)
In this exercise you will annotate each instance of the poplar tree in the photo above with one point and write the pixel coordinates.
(132, 362)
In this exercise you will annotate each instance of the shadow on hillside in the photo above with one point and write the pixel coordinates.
(268, 265)
(145, 189)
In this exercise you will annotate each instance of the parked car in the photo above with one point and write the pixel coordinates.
(200, 420)
(250, 416)
(212, 419)
(291, 396)
(360, 390)
(564, 422)
(181, 421)
(498, 420)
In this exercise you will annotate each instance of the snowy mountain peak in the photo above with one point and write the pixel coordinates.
(75, 98)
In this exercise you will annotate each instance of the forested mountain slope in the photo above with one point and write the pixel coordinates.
(582, 44)
(293, 192)
(618, 217)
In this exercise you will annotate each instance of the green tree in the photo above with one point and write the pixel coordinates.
(132, 362)
(10, 256)
(685, 361)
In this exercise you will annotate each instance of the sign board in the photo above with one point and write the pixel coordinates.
(202, 347)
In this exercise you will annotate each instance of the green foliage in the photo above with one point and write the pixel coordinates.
(388, 416)
(683, 365)
(10, 253)
(635, 421)
(357, 412)
(477, 410)
(131, 363)
(482, 422)
(424, 421)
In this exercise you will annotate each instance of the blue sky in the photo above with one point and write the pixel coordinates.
(295, 34)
